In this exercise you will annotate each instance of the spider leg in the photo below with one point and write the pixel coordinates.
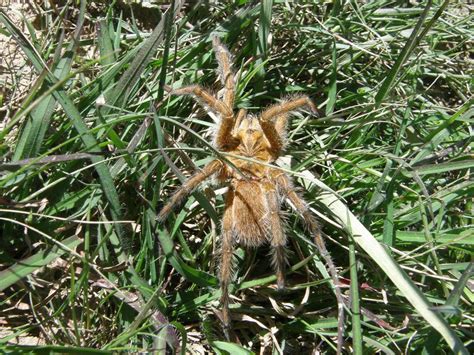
(285, 107)
(225, 68)
(205, 98)
(275, 118)
(240, 116)
(187, 188)
(278, 239)
(224, 138)
(227, 249)
(310, 220)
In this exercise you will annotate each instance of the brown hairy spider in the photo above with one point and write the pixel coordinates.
(255, 191)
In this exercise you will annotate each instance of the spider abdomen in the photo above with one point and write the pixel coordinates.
(253, 212)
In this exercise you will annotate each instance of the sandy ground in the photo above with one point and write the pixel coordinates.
(16, 75)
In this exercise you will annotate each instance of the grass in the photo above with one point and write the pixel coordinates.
(92, 148)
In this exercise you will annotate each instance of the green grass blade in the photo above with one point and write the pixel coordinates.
(399, 278)
(445, 167)
(445, 197)
(389, 222)
(457, 115)
(230, 348)
(42, 258)
(355, 305)
(51, 349)
(72, 112)
(163, 31)
(442, 132)
(332, 92)
(107, 54)
(264, 30)
(29, 143)
(117, 96)
(449, 238)
(196, 276)
(264, 27)
(411, 43)
(453, 300)
(35, 129)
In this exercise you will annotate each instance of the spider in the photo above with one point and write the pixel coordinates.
(252, 214)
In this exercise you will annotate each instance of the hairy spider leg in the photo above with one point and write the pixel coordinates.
(188, 187)
(224, 62)
(277, 235)
(311, 223)
(286, 106)
(224, 138)
(238, 120)
(251, 218)
(205, 98)
(274, 121)
(227, 249)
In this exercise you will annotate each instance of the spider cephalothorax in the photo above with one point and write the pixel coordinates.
(256, 189)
